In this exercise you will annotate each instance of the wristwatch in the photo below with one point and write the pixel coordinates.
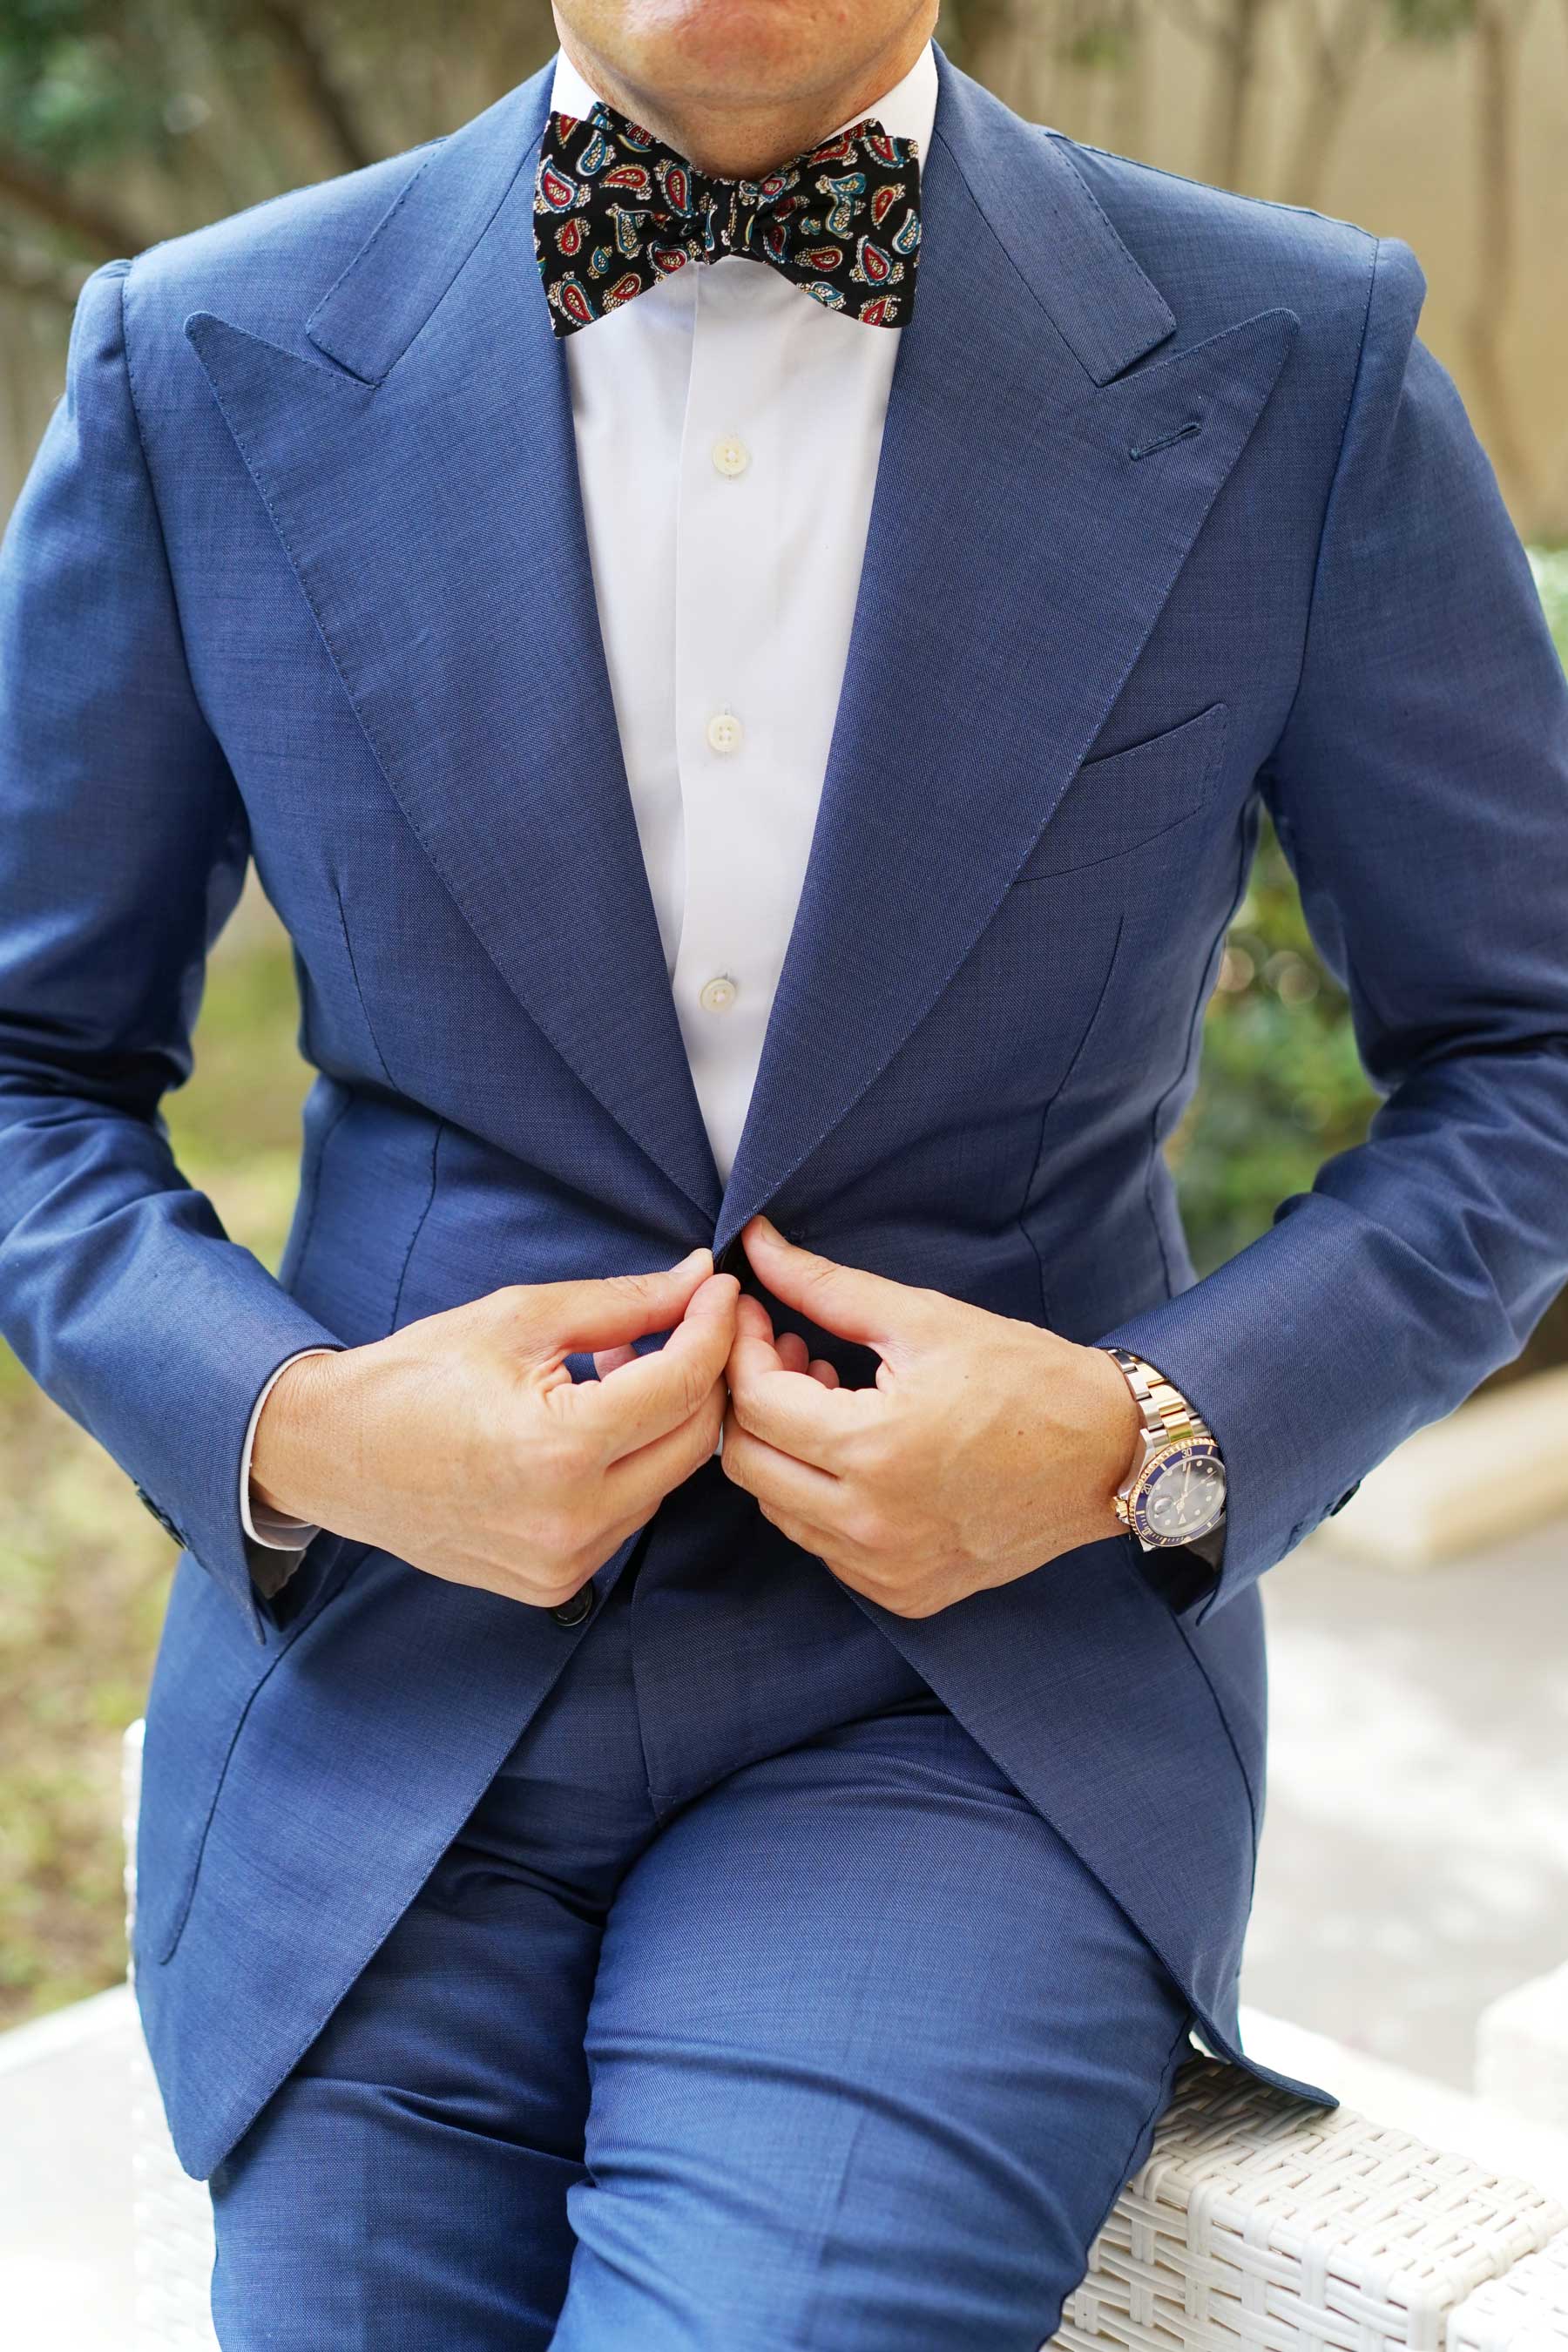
(1175, 1491)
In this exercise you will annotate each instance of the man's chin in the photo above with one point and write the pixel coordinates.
(738, 57)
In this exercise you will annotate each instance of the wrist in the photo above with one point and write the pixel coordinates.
(1118, 1438)
(1175, 1492)
(296, 1440)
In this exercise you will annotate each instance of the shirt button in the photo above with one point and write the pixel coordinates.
(718, 994)
(731, 455)
(724, 731)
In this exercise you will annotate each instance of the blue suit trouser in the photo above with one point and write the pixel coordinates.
(752, 2007)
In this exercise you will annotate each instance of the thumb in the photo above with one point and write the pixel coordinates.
(610, 1313)
(840, 1298)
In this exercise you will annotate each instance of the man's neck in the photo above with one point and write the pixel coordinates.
(744, 141)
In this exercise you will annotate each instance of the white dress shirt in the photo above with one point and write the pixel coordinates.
(728, 430)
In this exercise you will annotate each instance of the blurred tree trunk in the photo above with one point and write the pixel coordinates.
(1008, 46)
(1130, 110)
(32, 281)
(1101, 52)
(1497, 27)
(303, 57)
(1081, 65)
(1233, 30)
(87, 221)
(1337, 43)
(215, 104)
(1236, 92)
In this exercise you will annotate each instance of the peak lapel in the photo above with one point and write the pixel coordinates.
(422, 475)
(1034, 504)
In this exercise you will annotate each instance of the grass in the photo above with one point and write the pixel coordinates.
(84, 1572)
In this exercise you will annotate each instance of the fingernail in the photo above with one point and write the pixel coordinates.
(688, 1260)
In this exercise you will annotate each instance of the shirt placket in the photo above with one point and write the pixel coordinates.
(726, 585)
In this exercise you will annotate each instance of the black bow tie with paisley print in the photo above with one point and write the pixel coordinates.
(615, 210)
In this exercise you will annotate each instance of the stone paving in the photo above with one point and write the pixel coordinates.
(1414, 1860)
(66, 2282)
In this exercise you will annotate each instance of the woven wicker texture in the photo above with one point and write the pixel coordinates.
(1261, 2222)
(170, 2214)
(1524, 2311)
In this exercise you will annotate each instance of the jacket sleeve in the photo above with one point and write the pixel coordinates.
(1420, 790)
(122, 849)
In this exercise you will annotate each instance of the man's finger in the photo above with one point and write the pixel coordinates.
(795, 1357)
(799, 1415)
(610, 1313)
(635, 1485)
(780, 1480)
(642, 1400)
(793, 1403)
(754, 1351)
(887, 1315)
(610, 1359)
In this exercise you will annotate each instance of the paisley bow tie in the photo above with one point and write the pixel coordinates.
(615, 210)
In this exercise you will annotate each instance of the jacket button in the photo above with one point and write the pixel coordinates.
(161, 1515)
(732, 1259)
(578, 1609)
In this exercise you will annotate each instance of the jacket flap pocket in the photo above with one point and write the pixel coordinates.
(1118, 802)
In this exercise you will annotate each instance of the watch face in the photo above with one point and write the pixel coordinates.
(1180, 1494)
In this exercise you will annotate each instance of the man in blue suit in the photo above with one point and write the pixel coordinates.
(745, 604)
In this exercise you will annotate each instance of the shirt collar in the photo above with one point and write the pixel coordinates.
(905, 111)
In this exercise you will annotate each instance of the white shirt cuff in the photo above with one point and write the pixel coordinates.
(271, 1528)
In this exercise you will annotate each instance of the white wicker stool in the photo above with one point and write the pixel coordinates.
(1258, 2224)
(1526, 2310)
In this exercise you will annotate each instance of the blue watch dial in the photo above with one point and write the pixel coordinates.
(1180, 1495)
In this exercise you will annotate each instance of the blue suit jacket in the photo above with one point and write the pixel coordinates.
(1174, 516)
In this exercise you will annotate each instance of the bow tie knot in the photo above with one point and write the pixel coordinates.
(615, 210)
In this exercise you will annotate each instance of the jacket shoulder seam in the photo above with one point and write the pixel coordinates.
(1210, 187)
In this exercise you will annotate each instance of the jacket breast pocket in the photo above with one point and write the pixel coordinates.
(1126, 798)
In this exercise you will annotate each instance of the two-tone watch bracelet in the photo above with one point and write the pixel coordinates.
(1167, 1416)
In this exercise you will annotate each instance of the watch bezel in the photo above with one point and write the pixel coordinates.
(1169, 1457)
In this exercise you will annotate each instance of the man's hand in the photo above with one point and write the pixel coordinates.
(463, 1444)
(987, 1447)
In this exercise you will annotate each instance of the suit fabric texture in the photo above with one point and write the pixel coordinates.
(752, 2007)
(1176, 520)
